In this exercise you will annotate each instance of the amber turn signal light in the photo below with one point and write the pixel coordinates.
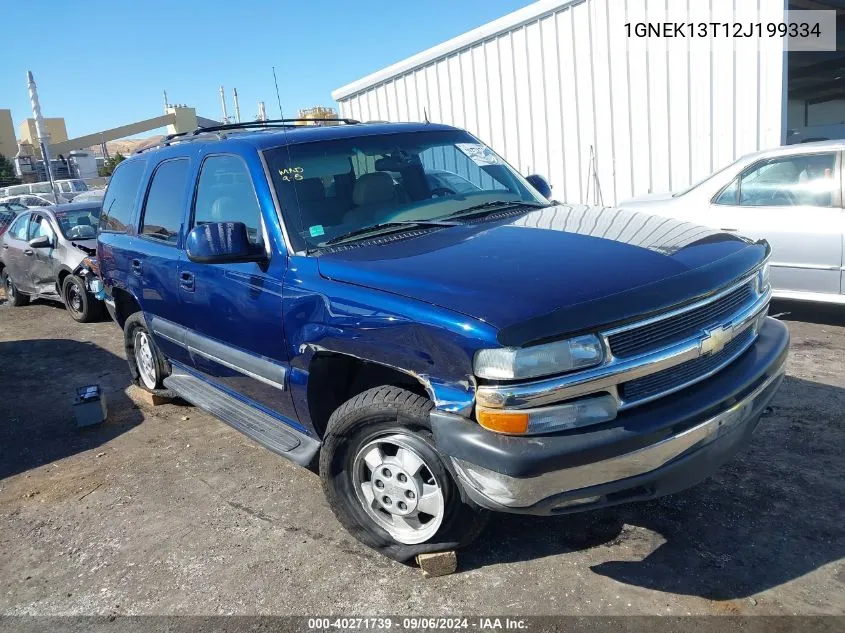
(503, 422)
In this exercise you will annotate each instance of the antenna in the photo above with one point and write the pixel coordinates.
(278, 98)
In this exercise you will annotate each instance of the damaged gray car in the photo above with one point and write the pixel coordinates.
(50, 253)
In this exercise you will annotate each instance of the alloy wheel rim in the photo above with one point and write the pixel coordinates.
(398, 489)
(144, 359)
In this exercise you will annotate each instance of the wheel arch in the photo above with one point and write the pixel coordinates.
(125, 305)
(335, 377)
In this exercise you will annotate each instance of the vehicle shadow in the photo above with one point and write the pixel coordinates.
(770, 516)
(808, 312)
(38, 379)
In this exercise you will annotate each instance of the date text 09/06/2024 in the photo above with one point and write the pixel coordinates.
(416, 623)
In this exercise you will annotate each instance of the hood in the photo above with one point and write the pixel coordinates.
(649, 198)
(551, 271)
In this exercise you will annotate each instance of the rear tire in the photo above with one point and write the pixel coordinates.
(146, 364)
(14, 297)
(81, 304)
(385, 481)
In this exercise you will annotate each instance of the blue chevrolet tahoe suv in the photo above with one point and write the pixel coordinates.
(436, 350)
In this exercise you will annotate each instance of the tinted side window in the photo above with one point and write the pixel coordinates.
(225, 194)
(797, 180)
(162, 215)
(121, 195)
(18, 229)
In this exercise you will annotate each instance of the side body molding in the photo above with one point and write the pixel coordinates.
(256, 367)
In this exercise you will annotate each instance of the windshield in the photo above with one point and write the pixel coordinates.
(79, 224)
(705, 179)
(333, 188)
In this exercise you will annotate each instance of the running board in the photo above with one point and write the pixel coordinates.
(252, 422)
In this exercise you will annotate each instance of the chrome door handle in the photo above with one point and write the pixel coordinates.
(28, 252)
(729, 230)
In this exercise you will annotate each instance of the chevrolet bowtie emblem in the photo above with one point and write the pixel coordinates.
(715, 340)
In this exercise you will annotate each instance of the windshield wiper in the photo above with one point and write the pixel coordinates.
(490, 207)
(375, 228)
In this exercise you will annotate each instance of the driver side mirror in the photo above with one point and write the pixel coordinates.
(540, 184)
(222, 243)
(42, 241)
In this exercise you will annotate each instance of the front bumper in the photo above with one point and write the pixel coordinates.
(651, 450)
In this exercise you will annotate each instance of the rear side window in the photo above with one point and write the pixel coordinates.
(225, 194)
(121, 195)
(18, 229)
(162, 217)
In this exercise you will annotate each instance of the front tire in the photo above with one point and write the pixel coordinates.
(386, 482)
(81, 304)
(13, 296)
(146, 364)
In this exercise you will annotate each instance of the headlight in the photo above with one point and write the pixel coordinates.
(508, 363)
(763, 278)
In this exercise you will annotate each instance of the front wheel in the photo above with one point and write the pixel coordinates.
(386, 482)
(81, 304)
(14, 297)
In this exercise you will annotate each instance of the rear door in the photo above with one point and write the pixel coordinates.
(41, 268)
(15, 257)
(235, 310)
(157, 256)
(795, 203)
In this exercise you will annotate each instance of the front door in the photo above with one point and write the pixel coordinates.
(41, 268)
(234, 311)
(795, 203)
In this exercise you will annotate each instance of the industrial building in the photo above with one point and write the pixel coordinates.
(558, 89)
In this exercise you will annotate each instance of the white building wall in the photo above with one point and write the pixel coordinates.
(558, 81)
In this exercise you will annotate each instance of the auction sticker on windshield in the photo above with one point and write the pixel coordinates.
(478, 153)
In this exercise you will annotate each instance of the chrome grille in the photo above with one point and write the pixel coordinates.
(674, 329)
(671, 379)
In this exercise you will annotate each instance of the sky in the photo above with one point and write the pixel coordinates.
(104, 64)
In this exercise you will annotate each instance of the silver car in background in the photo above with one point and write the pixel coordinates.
(791, 196)
(50, 253)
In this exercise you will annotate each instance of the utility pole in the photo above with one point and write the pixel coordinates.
(40, 131)
(223, 104)
(237, 106)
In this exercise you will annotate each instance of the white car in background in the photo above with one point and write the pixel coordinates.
(32, 200)
(91, 195)
(791, 196)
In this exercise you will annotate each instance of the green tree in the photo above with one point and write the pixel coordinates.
(108, 167)
(7, 172)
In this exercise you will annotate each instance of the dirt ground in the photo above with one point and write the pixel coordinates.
(166, 510)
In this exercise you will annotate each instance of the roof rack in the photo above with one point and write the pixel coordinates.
(270, 123)
(200, 132)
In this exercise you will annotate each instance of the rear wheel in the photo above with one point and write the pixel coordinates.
(385, 481)
(14, 297)
(81, 304)
(146, 364)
